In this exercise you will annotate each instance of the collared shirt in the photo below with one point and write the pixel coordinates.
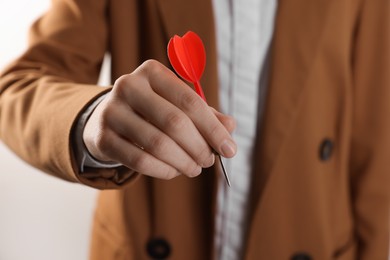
(244, 32)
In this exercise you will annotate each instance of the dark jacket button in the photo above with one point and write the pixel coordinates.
(326, 149)
(301, 256)
(158, 248)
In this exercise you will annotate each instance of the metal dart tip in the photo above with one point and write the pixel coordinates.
(224, 171)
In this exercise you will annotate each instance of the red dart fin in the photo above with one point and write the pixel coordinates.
(188, 57)
(174, 59)
(196, 53)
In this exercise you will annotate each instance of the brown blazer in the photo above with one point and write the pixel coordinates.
(322, 163)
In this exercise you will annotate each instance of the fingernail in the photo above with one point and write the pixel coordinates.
(210, 161)
(197, 171)
(228, 148)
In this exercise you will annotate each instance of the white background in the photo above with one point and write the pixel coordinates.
(41, 217)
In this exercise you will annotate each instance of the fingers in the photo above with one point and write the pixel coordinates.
(135, 158)
(115, 133)
(208, 125)
(153, 123)
(175, 124)
(168, 86)
(135, 129)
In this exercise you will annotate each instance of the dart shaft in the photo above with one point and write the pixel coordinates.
(224, 170)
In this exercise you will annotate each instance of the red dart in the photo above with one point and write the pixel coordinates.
(188, 57)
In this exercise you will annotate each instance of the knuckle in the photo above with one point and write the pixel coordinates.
(152, 67)
(139, 162)
(215, 131)
(191, 102)
(175, 121)
(157, 142)
(121, 82)
(203, 157)
(121, 85)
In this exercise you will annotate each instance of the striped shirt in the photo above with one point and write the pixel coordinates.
(244, 31)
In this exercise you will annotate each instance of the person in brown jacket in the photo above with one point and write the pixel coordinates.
(319, 158)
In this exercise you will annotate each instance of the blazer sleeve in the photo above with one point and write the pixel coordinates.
(43, 92)
(370, 144)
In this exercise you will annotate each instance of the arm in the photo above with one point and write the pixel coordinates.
(43, 93)
(370, 147)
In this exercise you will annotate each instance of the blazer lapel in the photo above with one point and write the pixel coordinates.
(297, 37)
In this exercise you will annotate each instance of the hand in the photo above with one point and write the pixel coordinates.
(153, 123)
